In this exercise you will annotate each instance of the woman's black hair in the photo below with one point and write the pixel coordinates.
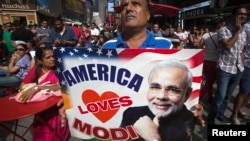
(26, 48)
(46, 44)
(38, 56)
(40, 52)
(23, 45)
(33, 43)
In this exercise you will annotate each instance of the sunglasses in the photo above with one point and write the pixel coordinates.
(19, 49)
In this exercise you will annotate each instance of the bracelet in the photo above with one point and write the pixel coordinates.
(156, 139)
(36, 88)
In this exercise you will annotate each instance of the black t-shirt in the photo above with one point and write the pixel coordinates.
(21, 34)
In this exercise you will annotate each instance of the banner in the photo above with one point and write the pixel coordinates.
(102, 83)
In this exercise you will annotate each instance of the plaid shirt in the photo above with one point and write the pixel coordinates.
(247, 52)
(230, 59)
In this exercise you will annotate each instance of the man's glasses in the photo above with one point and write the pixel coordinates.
(19, 49)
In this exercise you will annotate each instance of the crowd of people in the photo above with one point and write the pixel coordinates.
(227, 52)
(85, 35)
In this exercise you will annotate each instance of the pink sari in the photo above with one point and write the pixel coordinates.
(41, 132)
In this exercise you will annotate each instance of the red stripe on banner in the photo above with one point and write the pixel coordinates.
(195, 60)
(195, 94)
(197, 79)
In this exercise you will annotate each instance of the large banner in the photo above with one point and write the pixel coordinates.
(102, 83)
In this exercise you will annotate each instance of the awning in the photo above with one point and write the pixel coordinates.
(163, 10)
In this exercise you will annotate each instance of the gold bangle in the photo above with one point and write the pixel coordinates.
(156, 139)
(36, 88)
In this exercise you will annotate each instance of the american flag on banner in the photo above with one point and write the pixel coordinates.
(91, 78)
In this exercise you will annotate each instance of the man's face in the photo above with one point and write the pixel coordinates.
(167, 91)
(106, 26)
(155, 27)
(58, 25)
(84, 27)
(44, 24)
(241, 14)
(171, 31)
(8, 26)
(134, 13)
(92, 26)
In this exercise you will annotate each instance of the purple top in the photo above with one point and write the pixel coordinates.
(24, 64)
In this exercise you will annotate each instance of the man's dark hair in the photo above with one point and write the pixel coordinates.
(237, 8)
(59, 18)
(217, 21)
(85, 24)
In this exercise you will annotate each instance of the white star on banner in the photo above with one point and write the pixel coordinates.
(109, 53)
(71, 53)
(76, 50)
(99, 52)
(58, 70)
(63, 82)
(90, 49)
(85, 55)
(59, 60)
(62, 49)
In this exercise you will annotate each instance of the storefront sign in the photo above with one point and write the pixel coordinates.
(41, 9)
(195, 12)
(18, 6)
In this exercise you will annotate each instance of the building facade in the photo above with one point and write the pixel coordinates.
(11, 10)
(32, 11)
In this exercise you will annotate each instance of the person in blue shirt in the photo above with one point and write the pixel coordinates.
(156, 30)
(134, 34)
(62, 35)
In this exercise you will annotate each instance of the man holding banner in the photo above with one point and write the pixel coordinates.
(166, 117)
(134, 34)
(134, 17)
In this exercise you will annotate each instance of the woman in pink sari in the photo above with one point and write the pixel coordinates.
(46, 78)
